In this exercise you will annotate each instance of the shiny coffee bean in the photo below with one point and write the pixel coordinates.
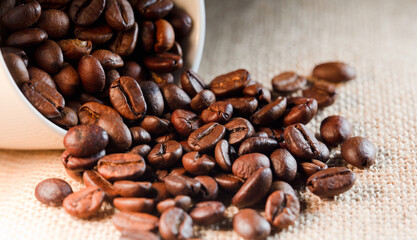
(248, 164)
(334, 72)
(46, 99)
(164, 37)
(79, 164)
(254, 189)
(159, 192)
(248, 224)
(97, 34)
(192, 83)
(108, 59)
(299, 110)
(198, 164)
(27, 37)
(258, 144)
(182, 185)
(30, 13)
(229, 182)
(147, 36)
(119, 14)
(125, 204)
(324, 92)
(16, 68)
(125, 41)
(154, 9)
(231, 83)
(243, 106)
(207, 213)
(49, 57)
(331, 181)
(175, 97)
(282, 186)
(154, 125)
(185, 122)
(288, 82)
(164, 155)
(126, 188)
(74, 49)
(121, 166)
(324, 153)
(161, 79)
(225, 155)
(202, 100)
(52, 191)
(153, 97)
(209, 189)
(85, 140)
(180, 201)
(258, 91)
(180, 21)
(68, 81)
(282, 209)
(284, 165)
(83, 12)
(55, 23)
(175, 223)
(270, 113)
(84, 203)
(301, 141)
(163, 62)
(142, 150)
(335, 130)
(140, 136)
(309, 168)
(67, 119)
(359, 151)
(206, 137)
(93, 178)
(93, 77)
(220, 112)
(133, 221)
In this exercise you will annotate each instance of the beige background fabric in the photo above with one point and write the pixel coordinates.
(377, 37)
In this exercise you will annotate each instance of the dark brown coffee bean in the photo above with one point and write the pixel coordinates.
(159, 192)
(68, 80)
(270, 113)
(127, 188)
(359, 151)
(68, 118)
(138, 235)
(140, 136)
(93, 77)
(209, 188)
(49, 57)
(84, 203)
(181, 201)
(79, 164)
(166, 138)
(229, 182)
(27, 37)
(175, 223)
(284, 165)
(331, 181)
(22, 16)
(181, 22)
(83, 12)
(192, 83)
(220, 112)
(231, 83)
(282, 186)
(288, 82)
(254, 189)
(300, 110)
(324, 92)
(147, 36)
(282, 209)
(52, 191)
(301, 141)
(260, 134)
(46, 99)
(258, 91)
(84, 98)
(154, 9)
(250, 225)
(108, 59)
(175, 97)
(134, 70)
(164, 155)
(125, 41)
(185, 122)
(225, 155)
(93, 178)
(198, 164)
(55, 23)
(154, 125)
(202, 100)
(164, 37)
(97, 34)
(258, 144)
(207, 213)
(163, 62)
(142, 150)
(85, 140)
(5, 6)
(334, 72)
(248, 164)
(75, 49)
(119, 14)
(324, 153)
(206, 137)
(121, 166)
(243, 106)
(153, 97)
(132, 221)
(74, 105)
(125, 204)
(182, 185)
(16, 68)
(274, 133)
(309, 168)
(161, 79)
(19, 52)
(335, 130)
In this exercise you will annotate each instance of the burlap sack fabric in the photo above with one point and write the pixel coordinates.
(378, 37)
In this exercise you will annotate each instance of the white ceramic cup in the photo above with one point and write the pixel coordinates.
(23, 127)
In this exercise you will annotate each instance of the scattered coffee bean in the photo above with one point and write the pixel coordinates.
(309, 168)
(166, 154)
(52, 191)
(335, 130)
(207, 213)
(84, 203)
(288, 82)
(324, 92)
(135, 221)
(224, 155)
(175, 223)
(359, 151)
(334, 72)
(238, 130)
(299, 110)
(250, 225)
(331, 181)
(282, 209)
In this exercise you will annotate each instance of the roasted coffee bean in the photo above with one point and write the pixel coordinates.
(192, 83)
(84, 203)
(125, 41)
(270, 113)
(121, 166)
(74, 105)
(22, 16)
(284, 165)
(164, 155)
(159, 192)
(180, 21)
(166, 138)
(55, 23)
(75, 49)
(133, 70)
(140, 136)
(93, 178)
(182, 185)
(138, 235)
(243, 106)
(331, 181)
(147, 36)
(181, 201)
(299, 110)
(16, 68)
(85, 140)
(258, 91)
(198, 164)
(324, 153)
(80, 164)
(254, 189)
(309, 168)
(260, 134)
(161, 79)
(206, 137)
(202, 100)
(274, 133)
(154, 9)
(165, 36)
(126, 204)
(334, 72)
(185, 147)
(127, 188)
(132, 221)
(154, 125)
(19, 52)
(258, 144)
(359, 151)
(282, 209)
(5, 6)
(282, 186)
(119, 14)
(97, 34)
(246, 165)
(175, 223)
(301, 141)
(163, 62)
(250, 225)
(52, 191)
(207, 213)
(68, 81)
(93, 77)
(46, 99)
(229, 182)
(142, 150)
(209, 188)
(49, 57)
(335, 130)
(175, 97)
(225, 155)
(231, 83)
(27, 37)
(83, 12)
(108, 59)
(153, 97)
(288, 82)
(324, 92)
(185, 122)
(220, 112)
(84, 98)
(67, 119)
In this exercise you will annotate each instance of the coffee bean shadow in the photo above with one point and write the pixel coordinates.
(336, 161)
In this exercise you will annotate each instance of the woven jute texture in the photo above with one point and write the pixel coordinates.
(377, 37)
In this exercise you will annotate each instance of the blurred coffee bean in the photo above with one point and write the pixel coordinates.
(29, 12)
(119, 14)
(93, 77)
(202, 100)
(151, 9)
(68, 80)
(83, 12)
(55, 23)
(27, 37)
(52, 191)
(125, 41)
(97, 34)
(75, 49)
(359, 151)
(299, 110)
(288, 82)
(49, 57)
(324, 92)
(334, 72)
(231, 83)
(243, 106)
(335, 130)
